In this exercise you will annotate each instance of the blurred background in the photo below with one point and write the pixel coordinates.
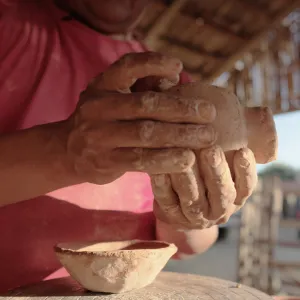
(253, 48)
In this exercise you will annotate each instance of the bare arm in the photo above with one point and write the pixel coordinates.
(189, 242)
(108, 134)
(33, 162)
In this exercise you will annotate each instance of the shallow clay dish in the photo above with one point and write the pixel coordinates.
(115, 267)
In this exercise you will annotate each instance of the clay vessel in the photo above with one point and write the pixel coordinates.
(115, 267)
(237, 126)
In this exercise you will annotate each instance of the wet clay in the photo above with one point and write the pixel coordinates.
(115, 267)
(237, 126)
(209, 192)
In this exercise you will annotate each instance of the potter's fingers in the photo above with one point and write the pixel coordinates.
(151, 161)
(245, 175)
(191, 191)
(148, 105)
(153, 83)
(166, 204)
(121, 75)
(149, 134)
(221, 191)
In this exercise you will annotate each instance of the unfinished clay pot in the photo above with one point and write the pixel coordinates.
(115, 267)
(237, 126)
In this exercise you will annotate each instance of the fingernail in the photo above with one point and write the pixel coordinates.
(244, 160)
(244, 163)
(214, 156)
(207, 134)
(245, 156)
(177, 64)
(185, 158)
(197, 136)
(160, 180)
(146, 131)
(206, 111)
(166, 83)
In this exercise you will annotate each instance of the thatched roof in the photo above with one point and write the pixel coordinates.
(209, 36)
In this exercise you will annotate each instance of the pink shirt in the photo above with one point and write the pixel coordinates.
(46, 61)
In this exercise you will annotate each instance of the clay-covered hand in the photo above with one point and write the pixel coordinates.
(114, 131)
(206, 194)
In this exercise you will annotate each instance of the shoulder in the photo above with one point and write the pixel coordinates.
(21, 14)
(23, 22)
(22, 8)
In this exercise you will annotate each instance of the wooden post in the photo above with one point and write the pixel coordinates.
(275, 212)
(248, 254)
(260, 220)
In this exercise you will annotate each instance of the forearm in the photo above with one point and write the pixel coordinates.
(188, 242)
(33, 162)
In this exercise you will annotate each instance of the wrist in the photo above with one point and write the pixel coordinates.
(55, 136)
(169, 233)
(188, 241)
(35, 161)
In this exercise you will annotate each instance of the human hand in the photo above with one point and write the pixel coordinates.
(206, 194)
(114, 131)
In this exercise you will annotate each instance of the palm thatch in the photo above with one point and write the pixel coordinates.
(211, 35)
(236, 38)
(270, 74)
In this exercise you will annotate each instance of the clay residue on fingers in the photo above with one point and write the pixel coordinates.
(155, 161)
(191, 192)
(217, 177)
(166, 204)
(123, 74)
(167, 83)
(153, 134)
(153, 83)
(244, 165)
(176, 109)
(262, 136)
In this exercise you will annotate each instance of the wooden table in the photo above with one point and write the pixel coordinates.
(168, 286)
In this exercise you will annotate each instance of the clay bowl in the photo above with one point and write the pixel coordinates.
(115, 267)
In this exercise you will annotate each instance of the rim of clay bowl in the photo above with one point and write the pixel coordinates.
(66, 248)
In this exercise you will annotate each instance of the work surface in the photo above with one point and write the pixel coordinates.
(168, 286)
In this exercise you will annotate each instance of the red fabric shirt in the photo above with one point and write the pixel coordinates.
(46, 61)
